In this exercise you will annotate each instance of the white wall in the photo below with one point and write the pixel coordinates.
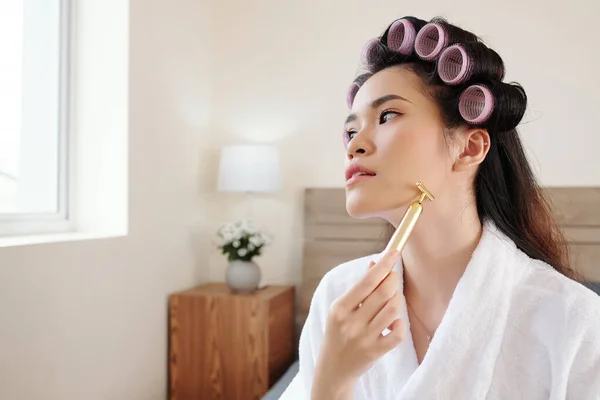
(87, 320)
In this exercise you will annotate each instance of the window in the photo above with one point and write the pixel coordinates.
(34, 60)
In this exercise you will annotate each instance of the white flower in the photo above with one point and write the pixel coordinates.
(227, 237)
(238, 227)
(255, 241)
(250, 228)
(233, 233)
(226, 228)
(238, 233)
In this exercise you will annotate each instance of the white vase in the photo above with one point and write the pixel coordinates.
(242, 276)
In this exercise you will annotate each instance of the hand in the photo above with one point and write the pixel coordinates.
(353, 335)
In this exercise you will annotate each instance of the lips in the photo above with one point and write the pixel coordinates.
(355, 171)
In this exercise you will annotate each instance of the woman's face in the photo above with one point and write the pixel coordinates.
(395, 132)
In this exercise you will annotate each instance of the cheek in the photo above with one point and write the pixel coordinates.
(416, 154)
(421, 145)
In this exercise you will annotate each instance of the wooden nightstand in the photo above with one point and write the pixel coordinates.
(229, 346)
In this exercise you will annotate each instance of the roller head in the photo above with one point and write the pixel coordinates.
(401, 37)
(476, 104)
(425, 193)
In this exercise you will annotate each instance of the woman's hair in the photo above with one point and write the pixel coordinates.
(464, 77)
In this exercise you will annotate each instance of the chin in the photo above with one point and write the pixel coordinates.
(357, 211)
(363, 205)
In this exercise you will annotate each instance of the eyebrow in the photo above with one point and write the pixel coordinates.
(378, 102)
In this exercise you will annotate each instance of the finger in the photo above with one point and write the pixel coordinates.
(379, 297)
(371, 264)
(395, 335)
(386, 315)
(383, 267)
(361, 289)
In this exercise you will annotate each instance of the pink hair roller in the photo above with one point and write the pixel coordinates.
(430, 41)
(460, 62)
(455, 66)
(401, 37)
(369, 50)
(476, 104)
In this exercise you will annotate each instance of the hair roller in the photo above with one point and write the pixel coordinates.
(371, 51)
(476, 104)
(460, 62)
(499, 106)
(401, 35)
(436, 35)
(368, 50)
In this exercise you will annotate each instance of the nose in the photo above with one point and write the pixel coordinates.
(359, 145)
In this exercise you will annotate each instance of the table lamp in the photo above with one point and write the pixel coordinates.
(249, 168)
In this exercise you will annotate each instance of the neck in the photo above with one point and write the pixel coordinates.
(437, 253)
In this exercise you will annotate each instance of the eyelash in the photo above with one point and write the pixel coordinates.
(381, 114)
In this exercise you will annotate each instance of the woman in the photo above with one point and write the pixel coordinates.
(482, 302)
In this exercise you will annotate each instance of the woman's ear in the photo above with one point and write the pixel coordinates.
(474, 145)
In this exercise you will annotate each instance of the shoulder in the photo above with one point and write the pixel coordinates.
(536, 285)
(557, 289)
(554, 318)
(567, 322)
(550, 299)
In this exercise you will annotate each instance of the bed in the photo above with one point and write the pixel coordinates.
(332, 237)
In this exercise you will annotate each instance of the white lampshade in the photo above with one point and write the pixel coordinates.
(251, 168)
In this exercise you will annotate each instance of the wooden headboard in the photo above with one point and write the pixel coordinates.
(332, 237)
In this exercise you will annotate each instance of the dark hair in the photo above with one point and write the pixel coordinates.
(505, 187)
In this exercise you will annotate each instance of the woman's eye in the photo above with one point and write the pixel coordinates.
(386, 116)
(383, 118)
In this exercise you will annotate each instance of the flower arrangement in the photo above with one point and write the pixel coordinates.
(241, 240)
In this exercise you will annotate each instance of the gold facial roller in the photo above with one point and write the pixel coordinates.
(404, 229)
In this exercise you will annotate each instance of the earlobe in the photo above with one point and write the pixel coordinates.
(474, 146)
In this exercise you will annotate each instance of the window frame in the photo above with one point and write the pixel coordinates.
(18, 224)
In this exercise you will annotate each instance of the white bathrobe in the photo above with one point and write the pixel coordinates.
(514, 329)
